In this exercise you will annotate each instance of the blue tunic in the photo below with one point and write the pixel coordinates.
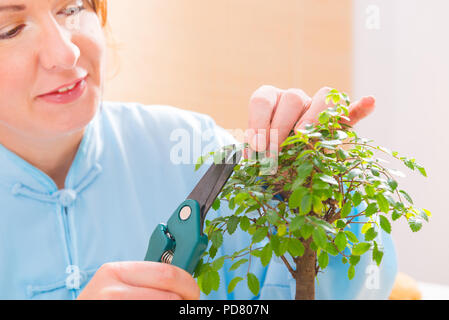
(128, 175)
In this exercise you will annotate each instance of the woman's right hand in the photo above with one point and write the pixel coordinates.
(140, 280)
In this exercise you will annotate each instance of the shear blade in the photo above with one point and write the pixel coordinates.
(211, 184)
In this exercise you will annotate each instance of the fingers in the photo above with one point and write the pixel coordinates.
(292, 105)
(360, 109)
(156, 276)
(126, 292)
(262, 106)
(317, 106)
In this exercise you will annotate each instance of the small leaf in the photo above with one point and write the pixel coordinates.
(328, 179)
(323, 260)
(253, 284)
(351, 272)
(217, 238)
(319, 237)
(296, 223)
(415, 224)
(295, 247)
(340, 241)
(218, 264)
(216, 204)
(346, 210)
(377, 254)
(406, 196)
(371, 234)
(384, 206)
(306, 204)
(260, 234)
(237, 264)
(266, 255)
(306, 231)
(360, 248)
(234, 283)
(385, 224)
(351, 236)
(282, 230)
(232, 224)
(356, 199)
(244, 223)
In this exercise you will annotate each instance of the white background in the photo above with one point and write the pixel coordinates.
(405, 65)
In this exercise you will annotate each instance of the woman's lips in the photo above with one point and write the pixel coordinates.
(67, 96)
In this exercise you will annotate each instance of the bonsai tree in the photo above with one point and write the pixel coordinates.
(303, 213)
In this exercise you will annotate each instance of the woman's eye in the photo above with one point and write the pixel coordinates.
(72, 10)
(12, 33)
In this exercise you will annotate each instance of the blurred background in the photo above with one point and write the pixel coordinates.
(210, 56)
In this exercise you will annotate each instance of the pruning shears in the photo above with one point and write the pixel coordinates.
(181, 241)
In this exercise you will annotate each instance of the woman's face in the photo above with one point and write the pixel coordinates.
(46, 45)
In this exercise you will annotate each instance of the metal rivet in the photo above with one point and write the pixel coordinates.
(185, 213)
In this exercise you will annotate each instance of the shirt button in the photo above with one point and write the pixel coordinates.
(66, 197)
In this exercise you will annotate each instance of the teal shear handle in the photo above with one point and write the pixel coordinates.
(181, 242)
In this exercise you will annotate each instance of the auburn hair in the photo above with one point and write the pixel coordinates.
(101, 8)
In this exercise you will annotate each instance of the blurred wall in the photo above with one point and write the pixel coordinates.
(210, 56)
(405, 64)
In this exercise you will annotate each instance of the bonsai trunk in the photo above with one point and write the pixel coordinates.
(305, 274)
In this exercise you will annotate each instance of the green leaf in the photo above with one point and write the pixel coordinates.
(306, 231)
(296, 196)
(393, 184)
(306, 204)
(371, 209)
(237, 264)
(260, 234)
(218, 264)
(232, 224)
(217, 239)
(328, 179)
(266, 255)
(340, 224)
(351, 272)
(377, 254)
(340, 241)
(421, 170)
(296, 223)
(346, 210)
(356, 199)
(234, 283)
(384, 206)
(371, 234)
(216, 204)
(253, 283)
(244, 223)
(212, 278)
(323, 260)
(305, 170)
(295, 247)
(282, 230)
(406, 196)
(415, 224)
(272, 216)
(354, 260)
(360, 248)
(319, 237)
(351, 236)
(385, 224)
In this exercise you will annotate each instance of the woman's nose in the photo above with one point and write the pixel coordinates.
(57, 50)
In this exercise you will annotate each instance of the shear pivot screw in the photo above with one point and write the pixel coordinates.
(185, 213)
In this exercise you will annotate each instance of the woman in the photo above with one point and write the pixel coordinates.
(83, 182)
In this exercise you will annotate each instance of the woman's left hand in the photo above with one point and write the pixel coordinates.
(285, 110)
